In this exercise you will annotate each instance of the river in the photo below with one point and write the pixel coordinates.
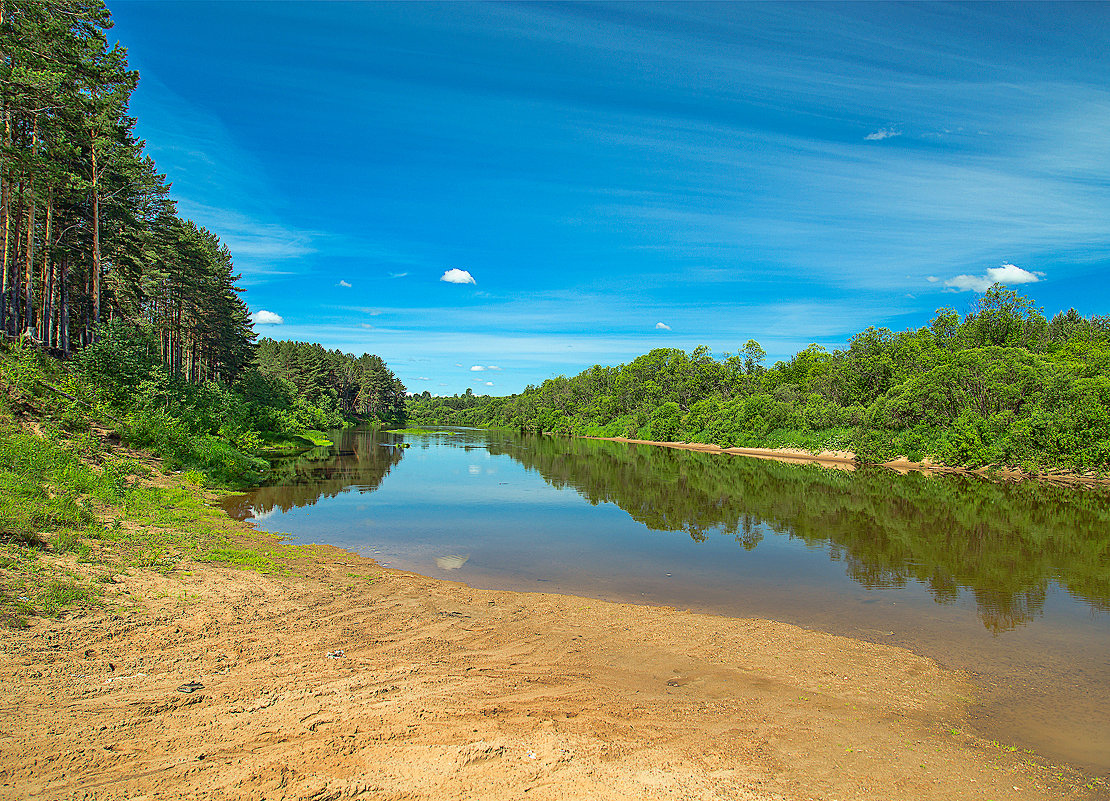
(1010, 582)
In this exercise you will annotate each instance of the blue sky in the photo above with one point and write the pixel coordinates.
(621, 177)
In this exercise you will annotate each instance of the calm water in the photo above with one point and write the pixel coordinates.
(1010, 582)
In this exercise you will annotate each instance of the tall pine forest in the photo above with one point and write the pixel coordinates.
(143, 306)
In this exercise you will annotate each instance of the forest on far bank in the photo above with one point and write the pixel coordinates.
(1003, 385)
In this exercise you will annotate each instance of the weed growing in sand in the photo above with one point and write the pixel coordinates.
(60, 595)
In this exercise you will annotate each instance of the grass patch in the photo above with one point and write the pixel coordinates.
(59, 596)
(315, 438)
(423, 431)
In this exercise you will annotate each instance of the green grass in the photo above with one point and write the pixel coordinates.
(315, 438)
(75, 512)
(422, 431)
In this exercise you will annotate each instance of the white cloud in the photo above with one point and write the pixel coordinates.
(489, 383)
(492, 367)
(457, 276)
(399, 275)
(423, 378)
(263, 317)
(477, 368)
(367, 326)
(1008, 274)
(882, 133)
(343, 283)
(1012, 274)
(662, 327)
(932, 279)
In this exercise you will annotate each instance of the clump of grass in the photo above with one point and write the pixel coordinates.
(315, 438)
(59, 596)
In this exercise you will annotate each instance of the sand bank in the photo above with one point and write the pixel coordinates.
(841, 460)
(847, 460)
(348, 680)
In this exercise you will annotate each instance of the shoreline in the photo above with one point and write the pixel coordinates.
(349, 680)
(849, 461)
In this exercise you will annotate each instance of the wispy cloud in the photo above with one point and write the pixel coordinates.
(662, 327)
(457, 276)
(344, 284)
(397, 275)
(1008, 274)
(882, 133)
(263, 317)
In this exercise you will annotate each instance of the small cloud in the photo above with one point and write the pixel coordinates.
(662, 327)
(367, 326)
(882, 133)
(1012, 274)
(457, 276)
(932, 279)
(492, 367)
(489, 383)
(477, 368)
(423, 378)
(397, 275)
(263, 317)
(1006, 274)
(343, 283)
(458, 365)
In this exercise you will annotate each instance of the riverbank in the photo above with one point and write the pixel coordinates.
(343, 679)
(847, 460)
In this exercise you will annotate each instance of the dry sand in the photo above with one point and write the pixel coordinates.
(447, 692)
(841, 460)
(847, 460)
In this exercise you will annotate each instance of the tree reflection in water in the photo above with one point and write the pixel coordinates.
(1002, 543)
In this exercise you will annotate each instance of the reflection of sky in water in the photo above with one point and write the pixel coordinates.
(453, 510)
(518, 530)
(447, 497)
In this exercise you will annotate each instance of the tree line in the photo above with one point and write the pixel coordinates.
(96, 263)
(1001, 385)
(341, 385)
(89, 232)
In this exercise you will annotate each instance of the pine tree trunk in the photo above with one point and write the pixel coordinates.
(47, 274)
(4, 199)
(15, 315)
(63, 311)
(95, 288)
(29, 266)
(5, 309)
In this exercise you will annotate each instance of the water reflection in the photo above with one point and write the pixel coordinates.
(359, 459)
(1002, 543)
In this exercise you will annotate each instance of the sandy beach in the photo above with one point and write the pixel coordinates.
(847, 460)
(349, 680)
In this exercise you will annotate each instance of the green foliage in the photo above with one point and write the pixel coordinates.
(300, 385)
(1003, 386)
